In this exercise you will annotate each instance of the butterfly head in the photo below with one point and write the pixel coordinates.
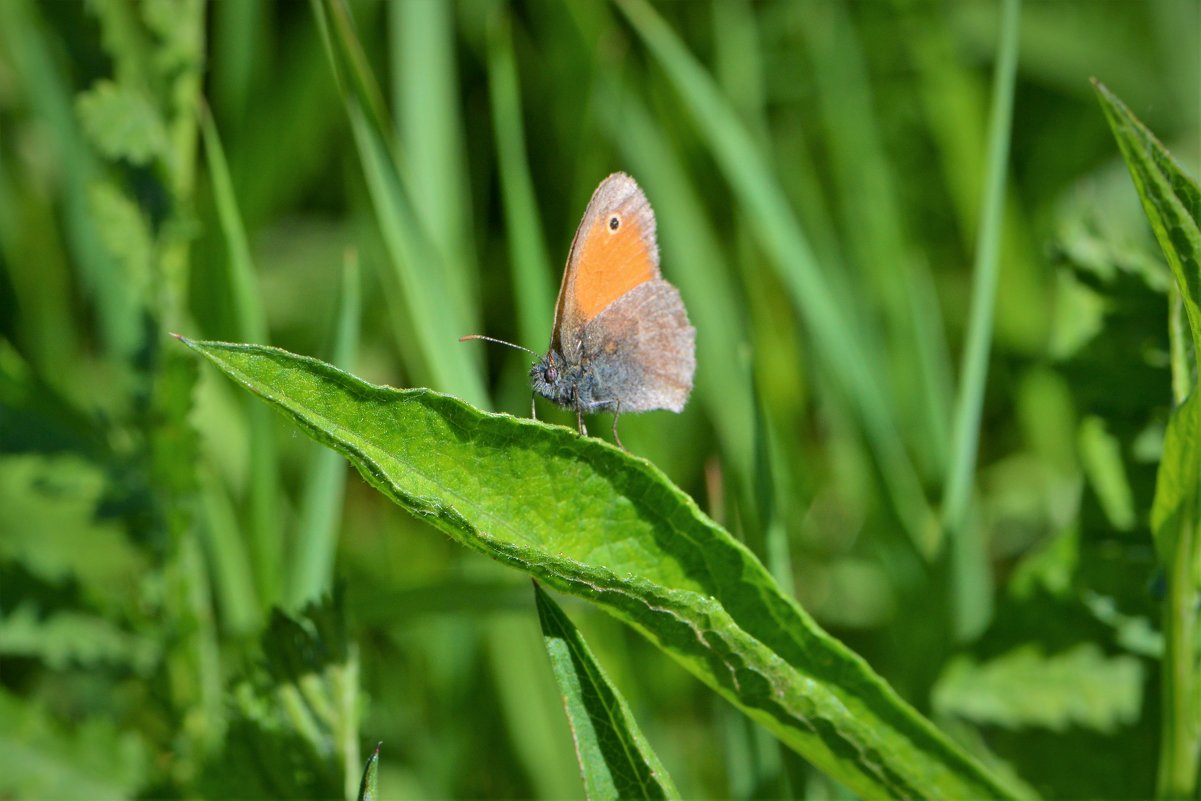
(551, 378)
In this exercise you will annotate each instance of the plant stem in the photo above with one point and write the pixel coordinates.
(1178, 745)
(1177, 772)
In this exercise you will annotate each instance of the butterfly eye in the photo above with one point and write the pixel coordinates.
(614, 223)
(552, 375)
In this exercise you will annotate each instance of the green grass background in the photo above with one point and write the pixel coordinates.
(236, 171)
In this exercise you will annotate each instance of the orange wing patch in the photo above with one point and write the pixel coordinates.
(609, 264)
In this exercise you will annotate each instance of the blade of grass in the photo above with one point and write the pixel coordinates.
(533, 292)
(233, 584)
(616, 761)
(265, 528)
(873, 225)
(418, 267)
(971, 584)
(421, 39)
(325, 482)
(835, 336)
(974, 371)
(23, 34)
(610, 527)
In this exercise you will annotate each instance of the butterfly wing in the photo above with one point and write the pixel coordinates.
(641, 351)
(614, 250)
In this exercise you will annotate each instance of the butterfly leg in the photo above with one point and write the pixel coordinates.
(533, 407)
(616, 414)
(579, 415)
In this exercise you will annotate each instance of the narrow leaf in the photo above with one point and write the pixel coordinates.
(1171, 200)
(593, 521)
(369, 787)
(616, 761)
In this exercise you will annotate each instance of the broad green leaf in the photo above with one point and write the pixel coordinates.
(1026, 688)
(615, 759)
(1171, 200)
(122, 122)
(588, 519)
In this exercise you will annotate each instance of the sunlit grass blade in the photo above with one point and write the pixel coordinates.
(974, 372)
(265, 528)
(325, 482)
(971, 585)
(533, 292)
(615, 759)
(872, 223)
(425, 93)
(609, 527)
(1172, 202)
(437, 318)
(836, 337)
(425, 97)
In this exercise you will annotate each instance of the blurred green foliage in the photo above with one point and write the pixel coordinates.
(366, 182)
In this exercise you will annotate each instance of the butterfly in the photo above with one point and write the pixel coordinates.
(621, 340)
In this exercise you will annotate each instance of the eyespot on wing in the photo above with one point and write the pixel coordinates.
(614, 251)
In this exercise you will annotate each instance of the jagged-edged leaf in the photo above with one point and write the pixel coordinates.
(125, 233)
(1027, 688)
(49, 516)
(1171, 200)
(72, 638)
(41, 757)
(615, 759)
(122, 122)
(294, 727)
(588, 519)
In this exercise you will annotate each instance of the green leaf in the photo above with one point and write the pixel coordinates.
(369, 786)
(1101, 456)
(1179, 476)
(593, 521)
(48, 513)
(66, 639)
(615, 759)
(122, 123)
(1025, 688)
(41, 757)
(1170, 198)
(294, 731)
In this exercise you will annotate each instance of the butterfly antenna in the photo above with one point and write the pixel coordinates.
(498, 342)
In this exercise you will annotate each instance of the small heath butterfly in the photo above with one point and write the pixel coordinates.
(621, 340)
